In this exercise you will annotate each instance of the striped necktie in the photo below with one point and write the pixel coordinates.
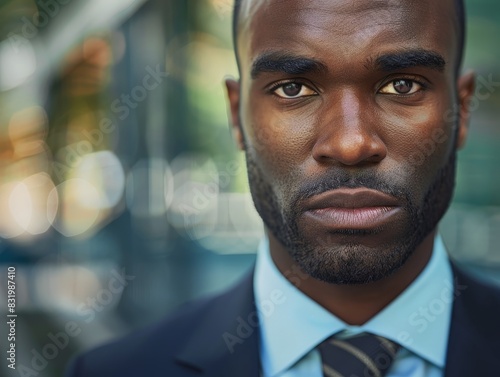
(364, 355)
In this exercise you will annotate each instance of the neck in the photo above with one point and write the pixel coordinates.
(354, 304)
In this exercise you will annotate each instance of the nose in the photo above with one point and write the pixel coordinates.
(347, 134)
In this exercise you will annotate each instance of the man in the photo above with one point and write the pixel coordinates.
(350, 114)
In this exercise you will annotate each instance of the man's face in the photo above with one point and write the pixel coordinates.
(344, 110)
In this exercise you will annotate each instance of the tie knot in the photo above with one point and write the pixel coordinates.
(364, 355)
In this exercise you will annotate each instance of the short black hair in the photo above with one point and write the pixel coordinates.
(460, 15)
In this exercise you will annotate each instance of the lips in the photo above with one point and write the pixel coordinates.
(352, 208)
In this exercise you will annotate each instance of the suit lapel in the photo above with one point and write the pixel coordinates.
(473, 343)
(225, 341)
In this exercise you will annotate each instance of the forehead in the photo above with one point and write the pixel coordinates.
(346, 30)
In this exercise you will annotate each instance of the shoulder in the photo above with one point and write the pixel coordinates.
(151, 351)
(140, 352)
(479, 299)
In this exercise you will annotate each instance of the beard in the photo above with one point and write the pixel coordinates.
(350, 256)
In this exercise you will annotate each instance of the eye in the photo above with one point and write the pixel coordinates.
(293, 90)
(401, 86)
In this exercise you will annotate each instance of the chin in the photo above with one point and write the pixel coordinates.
(351, 263)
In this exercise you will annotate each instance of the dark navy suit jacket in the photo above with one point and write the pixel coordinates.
(219, 337)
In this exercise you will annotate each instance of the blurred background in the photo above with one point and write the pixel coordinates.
(122, 194)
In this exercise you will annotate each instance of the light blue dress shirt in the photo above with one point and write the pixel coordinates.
(292, 324)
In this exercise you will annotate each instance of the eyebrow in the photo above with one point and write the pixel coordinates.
(410, 59)
(278, 62)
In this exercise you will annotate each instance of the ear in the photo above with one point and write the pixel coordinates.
(233, 96)
(466, 85)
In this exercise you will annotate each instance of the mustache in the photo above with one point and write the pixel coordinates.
(336, 179)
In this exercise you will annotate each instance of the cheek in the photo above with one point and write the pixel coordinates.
(278, 140)
(420, 140)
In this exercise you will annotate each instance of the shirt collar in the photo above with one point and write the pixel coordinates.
(418, 319)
